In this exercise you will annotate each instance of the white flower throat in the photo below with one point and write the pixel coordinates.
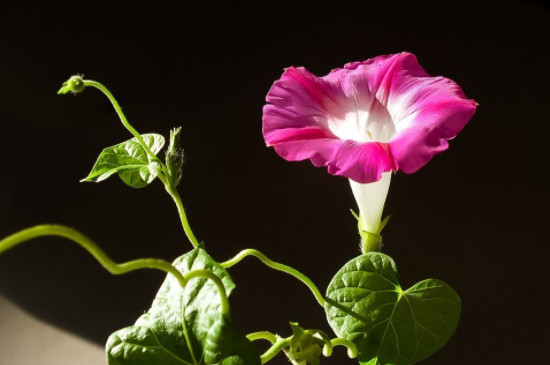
(372, 124)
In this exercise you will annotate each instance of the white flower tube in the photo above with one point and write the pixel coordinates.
(370, 198)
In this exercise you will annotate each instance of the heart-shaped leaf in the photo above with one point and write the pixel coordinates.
(184, 326)
(130, 161)
(390, 326)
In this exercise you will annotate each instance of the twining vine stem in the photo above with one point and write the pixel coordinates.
(181, 210)
(277, 266)
(111, 266)
(262, 335)
(168, 183)
(352, 349)
(278, 343)
(122, 117)
(275, 349)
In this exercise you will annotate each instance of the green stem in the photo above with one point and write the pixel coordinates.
(262, 335)
(275, 349)
(181, 210)
(168, 184)
(327, 348)
(370, 242)
(352, 349)
(219, 285)
(277, 266)
(111, 266)
(86, 243)
(123, 119)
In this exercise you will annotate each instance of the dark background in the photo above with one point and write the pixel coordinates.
(476, 216)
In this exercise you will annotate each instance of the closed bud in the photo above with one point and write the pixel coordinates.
(174, 157)
(73, 85)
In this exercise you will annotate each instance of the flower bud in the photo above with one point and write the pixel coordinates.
(75, 85)
(174, 157)
(305, 347)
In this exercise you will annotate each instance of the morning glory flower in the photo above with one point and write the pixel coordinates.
(365, 121)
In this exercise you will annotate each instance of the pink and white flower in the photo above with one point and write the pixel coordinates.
(364, 121)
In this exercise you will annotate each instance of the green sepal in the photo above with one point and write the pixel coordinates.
(130, 161)
(390, 326)
(184, 326)
(370, 241)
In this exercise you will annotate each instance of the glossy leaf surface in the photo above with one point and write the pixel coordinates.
(130, 161)
(184, 326)
(389, 325)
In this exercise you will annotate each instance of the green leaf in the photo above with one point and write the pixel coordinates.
(130, 161)
(184, 326)
(390, 326)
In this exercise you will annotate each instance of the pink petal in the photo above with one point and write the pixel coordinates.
(362, 162)
(427, 111)
(437, 110)
(400, 102)
(295, 124)
(300, 99)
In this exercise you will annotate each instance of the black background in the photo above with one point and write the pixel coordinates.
(475, 216)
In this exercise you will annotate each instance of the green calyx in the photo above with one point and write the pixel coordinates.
(370, 241)
(73, 85)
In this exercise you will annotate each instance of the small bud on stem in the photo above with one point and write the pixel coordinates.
(74, 85)
(174, 157)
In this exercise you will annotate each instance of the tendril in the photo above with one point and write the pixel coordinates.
(279, 345)
(352, 349)
(111, 266)
(262, 335)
